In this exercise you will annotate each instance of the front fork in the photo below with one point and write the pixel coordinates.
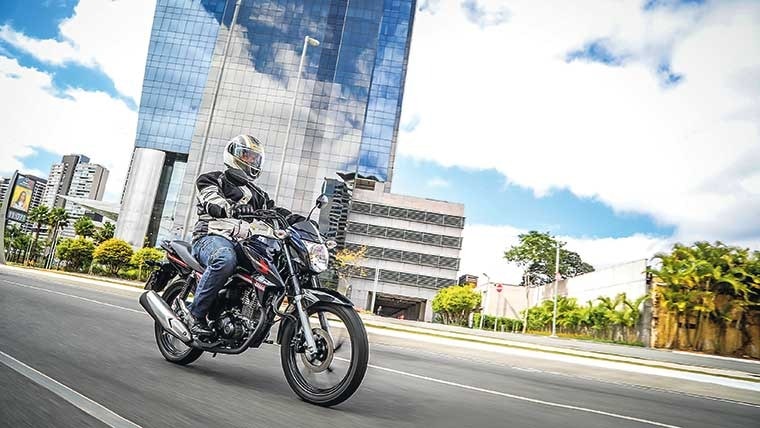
(308, 336)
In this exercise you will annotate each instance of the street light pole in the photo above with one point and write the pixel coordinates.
(556, 283)
(485, 307)
(204, 143)
(527, 302)
(306, 42)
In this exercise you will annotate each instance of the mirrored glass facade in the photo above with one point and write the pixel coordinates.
(348, 102)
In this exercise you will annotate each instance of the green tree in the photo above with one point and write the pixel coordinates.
(38, 216)
(348, 262)
(114, 254)
(84, 227)
(705, 284)
(105, 233)
(77, 253)
(455, 303)
(143, 256)
(12, 232)
(536, 254)
(16, 242)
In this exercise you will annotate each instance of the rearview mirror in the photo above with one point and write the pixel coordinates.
(322, 200)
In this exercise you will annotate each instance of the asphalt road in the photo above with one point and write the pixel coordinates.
(686, 358)
(98, 343)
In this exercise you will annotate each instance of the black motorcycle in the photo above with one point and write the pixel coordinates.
(323, 343)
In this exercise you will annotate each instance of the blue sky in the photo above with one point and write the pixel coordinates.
(490, 200)
(40, 20)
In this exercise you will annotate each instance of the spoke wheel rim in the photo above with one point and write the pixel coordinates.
(172, 344)
(324, 377)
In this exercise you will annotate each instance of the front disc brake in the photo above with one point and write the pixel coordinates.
(325, 351)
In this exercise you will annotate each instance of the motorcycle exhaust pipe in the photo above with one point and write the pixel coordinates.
(157, 308)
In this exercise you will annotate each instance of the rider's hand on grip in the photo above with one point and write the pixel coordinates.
(240, 210)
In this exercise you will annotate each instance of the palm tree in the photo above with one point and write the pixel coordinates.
(57, 219)
(37, 215)
(713, 283)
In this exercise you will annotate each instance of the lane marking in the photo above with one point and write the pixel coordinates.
(519, 397)
(87, 405)
(67, 280)
(73, 296)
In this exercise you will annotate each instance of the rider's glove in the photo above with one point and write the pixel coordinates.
(239, 210)
(294, 218)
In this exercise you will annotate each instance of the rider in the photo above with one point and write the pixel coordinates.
(222, 198)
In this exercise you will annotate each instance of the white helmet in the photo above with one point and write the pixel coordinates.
(244, 153)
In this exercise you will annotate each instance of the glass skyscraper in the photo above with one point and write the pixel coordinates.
(347, 108)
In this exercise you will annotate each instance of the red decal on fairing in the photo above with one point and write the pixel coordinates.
(263, 267)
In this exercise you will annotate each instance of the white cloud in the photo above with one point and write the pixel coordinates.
(111, 35)
(74, 121)
(47, 50)
(687, 154)
(437, 182)
(483, 248)
(116, 35)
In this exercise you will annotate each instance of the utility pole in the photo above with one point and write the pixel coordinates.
(485, 307)
(527, 302)
(556, 283)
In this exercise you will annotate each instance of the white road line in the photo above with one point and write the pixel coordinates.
(87, 405)
(73, 296)
(521, 398)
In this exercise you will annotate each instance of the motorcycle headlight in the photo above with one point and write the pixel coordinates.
(318, 256)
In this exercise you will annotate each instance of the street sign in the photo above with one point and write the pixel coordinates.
(499, 287)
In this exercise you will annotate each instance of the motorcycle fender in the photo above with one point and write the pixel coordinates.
(312, 296)
(160, 277)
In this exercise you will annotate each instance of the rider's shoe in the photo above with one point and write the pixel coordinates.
(198, 327)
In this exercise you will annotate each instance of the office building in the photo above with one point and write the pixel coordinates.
(89, 182)
(5, 182)
(412, 246)
(59, 180)
(346, 113)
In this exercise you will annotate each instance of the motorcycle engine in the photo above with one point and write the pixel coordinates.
(250, 305)
(231, 327)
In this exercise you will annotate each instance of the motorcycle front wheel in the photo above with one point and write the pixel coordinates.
(337, 370)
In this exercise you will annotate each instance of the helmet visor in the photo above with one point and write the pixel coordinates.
(248, 156)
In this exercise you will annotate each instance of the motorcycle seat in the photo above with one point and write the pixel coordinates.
(185, 253)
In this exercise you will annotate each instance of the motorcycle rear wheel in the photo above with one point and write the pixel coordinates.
(355, 365)
(172, 348)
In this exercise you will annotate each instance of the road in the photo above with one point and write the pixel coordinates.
(96, 345)
(686, 358)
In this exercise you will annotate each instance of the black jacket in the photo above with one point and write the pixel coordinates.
(218, 192)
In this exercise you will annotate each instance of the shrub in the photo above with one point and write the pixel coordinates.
(114, 254)
(142, 257)
(455, 304)
(77, 253)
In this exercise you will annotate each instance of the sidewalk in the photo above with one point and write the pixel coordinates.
(733, 368)
(750, 368)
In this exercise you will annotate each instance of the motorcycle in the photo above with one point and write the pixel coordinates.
(323, 342)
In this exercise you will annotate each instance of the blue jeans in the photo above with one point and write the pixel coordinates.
(218, 255)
